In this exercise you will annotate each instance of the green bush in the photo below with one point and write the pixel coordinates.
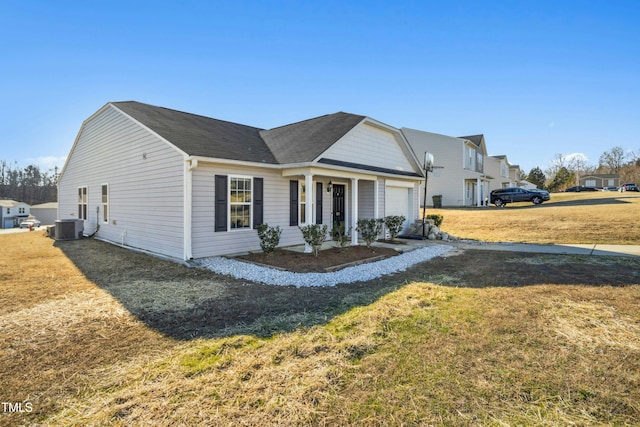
(340, 235)
(314, 235)
(394, 224)
(369, 229)
(437, 219)
(269, 237)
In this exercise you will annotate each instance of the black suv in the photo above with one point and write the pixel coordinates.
(502, 196)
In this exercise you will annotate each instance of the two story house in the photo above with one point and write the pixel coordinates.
(12, 213)
(459, 174)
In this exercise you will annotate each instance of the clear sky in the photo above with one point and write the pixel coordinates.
(537, 78)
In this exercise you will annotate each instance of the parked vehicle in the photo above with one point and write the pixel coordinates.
(503, 196)
(579, 188)
(610, 189)
(30, 223)
(629, 187)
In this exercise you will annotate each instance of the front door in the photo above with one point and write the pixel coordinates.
(338, 203)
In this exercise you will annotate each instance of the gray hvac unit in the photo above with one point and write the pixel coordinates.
(69, 229)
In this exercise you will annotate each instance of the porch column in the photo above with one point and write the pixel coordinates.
(309, 199)
(376, 200)
(354, 211)
(479, 192)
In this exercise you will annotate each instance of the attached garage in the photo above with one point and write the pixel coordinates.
(398, 199)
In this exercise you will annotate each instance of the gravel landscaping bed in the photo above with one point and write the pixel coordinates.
(359, 273)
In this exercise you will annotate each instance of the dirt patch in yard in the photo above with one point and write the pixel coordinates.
(72, 311)
(327, 260)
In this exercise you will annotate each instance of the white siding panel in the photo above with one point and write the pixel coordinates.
(370, 145)
(145, 177)
(365, 199)
(207, 242)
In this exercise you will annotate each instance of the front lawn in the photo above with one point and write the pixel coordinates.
(93, 334)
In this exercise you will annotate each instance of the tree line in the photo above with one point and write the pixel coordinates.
(29, 185)
(565, 171)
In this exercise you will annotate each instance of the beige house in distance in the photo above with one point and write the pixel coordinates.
(459, 175)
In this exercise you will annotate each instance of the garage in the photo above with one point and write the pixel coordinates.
(397, 201)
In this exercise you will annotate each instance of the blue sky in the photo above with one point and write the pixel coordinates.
(537, 78)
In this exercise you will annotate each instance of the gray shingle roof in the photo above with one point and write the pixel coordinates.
(305, 141)
(476, 139)
(203, 136)
(199, 135)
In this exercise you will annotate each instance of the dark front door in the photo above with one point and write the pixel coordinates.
(338, 203)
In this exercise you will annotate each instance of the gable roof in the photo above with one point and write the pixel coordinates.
(305, 141)
(476, 139)
(301, 142)
(8, 203)
(201, 136)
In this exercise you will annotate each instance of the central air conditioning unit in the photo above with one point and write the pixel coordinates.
(69, 229)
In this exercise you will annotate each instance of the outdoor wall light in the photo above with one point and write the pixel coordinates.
(329, 187)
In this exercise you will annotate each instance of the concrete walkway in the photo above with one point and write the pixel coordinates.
(574, 249)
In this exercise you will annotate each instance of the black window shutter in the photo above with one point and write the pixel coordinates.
(258, 211)
(293, 202)
(221, 203)
(318, 203)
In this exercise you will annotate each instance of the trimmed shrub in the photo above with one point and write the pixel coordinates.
(269, 237)
(314, 235)
(369, 230)
(394, 224)
(437, 219)
(340, 235)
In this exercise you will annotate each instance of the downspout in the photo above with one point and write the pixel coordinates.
(190, 165)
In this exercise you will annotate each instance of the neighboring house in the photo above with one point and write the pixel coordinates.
(514, 176)
(528, 185)
(498, 168)
(45, 212)
(12, 213)
(187, 186)
(600, 180)
(459, 175)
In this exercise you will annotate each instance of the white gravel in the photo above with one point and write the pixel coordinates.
(358, 273)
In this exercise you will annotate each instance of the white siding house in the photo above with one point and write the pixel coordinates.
(187, 186)
(459, 175)
(12, 213)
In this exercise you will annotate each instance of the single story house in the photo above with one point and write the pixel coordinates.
(600, 180)
(12, 213)
(46, 213)
(459, 174)
(187, 186)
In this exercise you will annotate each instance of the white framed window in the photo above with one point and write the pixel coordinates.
(470, 158)
(83, 198)
(105, 203)
(21, 210)
(302, 203)
(240, 212)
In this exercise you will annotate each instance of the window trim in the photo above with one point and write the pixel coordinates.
(230, 203)
(105, 212)
(83, 202)
(302, 216)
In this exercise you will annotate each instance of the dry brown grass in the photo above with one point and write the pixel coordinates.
(594, 217)
(92, 334)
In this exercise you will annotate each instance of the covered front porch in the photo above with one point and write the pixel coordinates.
(477, 191)
(328, 196)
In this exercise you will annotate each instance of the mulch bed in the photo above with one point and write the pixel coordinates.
(327, 260)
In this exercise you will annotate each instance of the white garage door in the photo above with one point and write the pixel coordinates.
(397, 201)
